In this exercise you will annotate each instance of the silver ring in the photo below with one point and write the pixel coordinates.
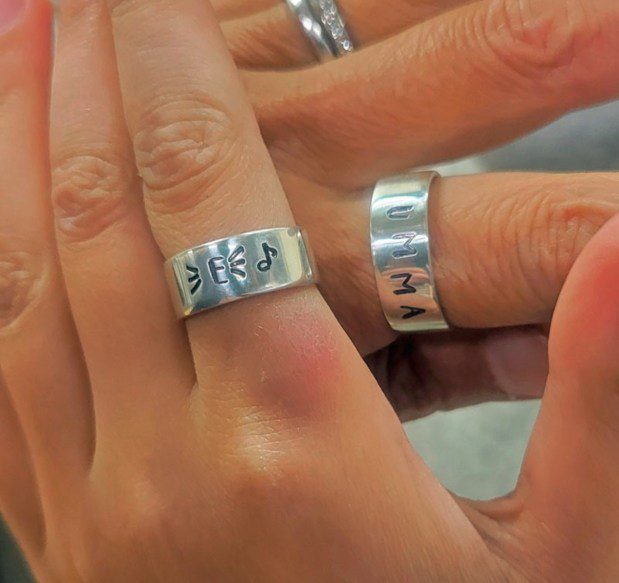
(324, 27)
(230, 269)
(401, 253)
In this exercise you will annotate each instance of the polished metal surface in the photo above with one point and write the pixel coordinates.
(312, 28)
(323, 26)
(233, 268)
(401, 252)
(331, 19)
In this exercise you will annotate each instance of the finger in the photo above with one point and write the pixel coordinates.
(276, 375)
(440, 372)
(111, 264)
(206, 172)
(465, 81)
(566, 503)
(41, 358)
(502, 246)
(226, 9)
(19, 496)
(273, 38)
(507, 265)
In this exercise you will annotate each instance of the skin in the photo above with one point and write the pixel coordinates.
(199, 455)
(433, 81)
(262, 34)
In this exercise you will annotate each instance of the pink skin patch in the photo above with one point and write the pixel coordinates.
(585, 334)
(296, 371)
(10, 10)
(305, 380)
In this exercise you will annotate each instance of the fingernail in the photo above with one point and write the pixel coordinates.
(519, 362)
(10, 11)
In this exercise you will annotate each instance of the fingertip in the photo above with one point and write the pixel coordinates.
(10, 12)
(569, 476)
(584, 339)
(25, 39)
(518, 360)
(25, 66)
(22, 14)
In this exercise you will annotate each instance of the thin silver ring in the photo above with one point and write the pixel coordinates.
(323, 26)
(230, 269)
(400, 244)
(333, 22)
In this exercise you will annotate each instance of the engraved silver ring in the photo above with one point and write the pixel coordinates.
(230, 269)
(324, 27)
(400, 244)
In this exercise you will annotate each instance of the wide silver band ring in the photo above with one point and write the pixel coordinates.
(230, 269)
(400, 244)
(323, 26)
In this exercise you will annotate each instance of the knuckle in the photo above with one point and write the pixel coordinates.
(182, 148)
(149, 515)
(560, 218)
(264, 458)
(89, 194)
(21, 278)
(541, 41)
(572, 221)
(264, 475)
(141, 519)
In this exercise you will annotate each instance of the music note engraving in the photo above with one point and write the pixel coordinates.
(270, 253)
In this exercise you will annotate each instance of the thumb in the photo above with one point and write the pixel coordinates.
(570, 480)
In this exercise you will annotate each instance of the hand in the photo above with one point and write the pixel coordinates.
(135, 448)
(459, 77)
(463, 81)
(262, 34)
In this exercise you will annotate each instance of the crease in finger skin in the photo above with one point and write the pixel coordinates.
(309, 377)
(273, 39)
(569, 481)
(282, 353)
(503, 244)
(19, 492)
(108, 256)
(41, 361)
(470, 79)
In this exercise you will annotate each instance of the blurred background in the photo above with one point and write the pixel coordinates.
(477, 451)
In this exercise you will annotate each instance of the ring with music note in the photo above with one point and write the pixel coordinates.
(226, 270)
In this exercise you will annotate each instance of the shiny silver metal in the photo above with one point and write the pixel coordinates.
(333, 22)
(401, 252)
(233, 268)
(312, 28)
(323, 26)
